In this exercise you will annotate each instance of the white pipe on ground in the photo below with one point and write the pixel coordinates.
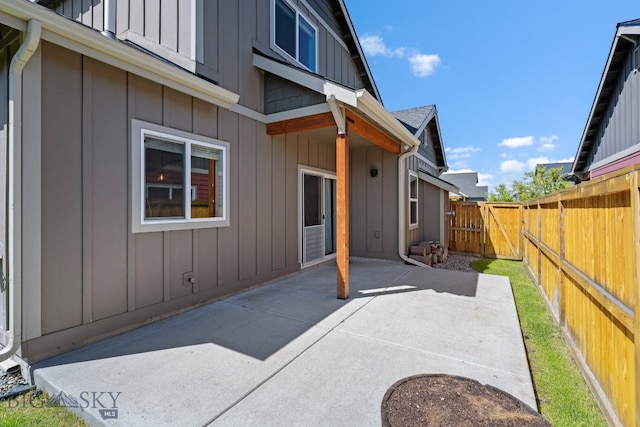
(14, 196)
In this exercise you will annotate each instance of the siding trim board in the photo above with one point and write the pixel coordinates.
(74, 36)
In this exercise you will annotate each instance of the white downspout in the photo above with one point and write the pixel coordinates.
(14, 198)
(401, 208)
(109, 19)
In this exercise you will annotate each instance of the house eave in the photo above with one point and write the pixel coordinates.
(360, 100)
(375, 110)
(87, 41)
(611, 70)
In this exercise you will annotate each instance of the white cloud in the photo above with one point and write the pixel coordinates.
(463, 170)
(549, 139)
(423, 65)
(512, 166)
(485, 179)
(461, 164)
(517, 142)
(462, 150)
(547, 143)
(375, 46)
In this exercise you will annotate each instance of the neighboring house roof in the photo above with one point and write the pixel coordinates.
(626, 36)
(468, 184)
(416, 120)
(565, 166)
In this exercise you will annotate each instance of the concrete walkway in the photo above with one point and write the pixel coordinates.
(290, 354)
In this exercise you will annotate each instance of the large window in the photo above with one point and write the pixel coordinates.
(180, 179)
(294, 34)
(413, 199)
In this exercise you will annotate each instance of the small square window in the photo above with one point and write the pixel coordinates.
(180, 179)
(294, 34)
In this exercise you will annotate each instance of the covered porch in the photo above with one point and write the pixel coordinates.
(354, 119)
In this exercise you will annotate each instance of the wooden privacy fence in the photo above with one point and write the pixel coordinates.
(582, 247)
(492, 230)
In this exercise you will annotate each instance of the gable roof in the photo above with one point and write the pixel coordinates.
(416, 120)
(355, 49)
(349, 37)
(627, 35)
(467, 182)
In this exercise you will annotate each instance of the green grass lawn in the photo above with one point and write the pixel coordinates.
(32, 411)
(563, 395)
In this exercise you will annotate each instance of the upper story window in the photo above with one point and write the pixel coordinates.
(180, 179)
(294, 34)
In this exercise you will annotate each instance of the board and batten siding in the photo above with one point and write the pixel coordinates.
(374, 203)
(224, 37)
(98, 276)
(430, 209)
(620, 129)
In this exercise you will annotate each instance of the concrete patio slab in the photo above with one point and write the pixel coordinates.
(290, 353)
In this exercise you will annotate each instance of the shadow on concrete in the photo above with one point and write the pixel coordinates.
(260, 322)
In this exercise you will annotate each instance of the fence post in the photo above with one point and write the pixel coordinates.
(561, 297)
(539, 266)
(635, 214)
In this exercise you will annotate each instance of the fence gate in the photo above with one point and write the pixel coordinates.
(491, 230)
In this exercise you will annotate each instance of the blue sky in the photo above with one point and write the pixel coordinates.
(513, 80)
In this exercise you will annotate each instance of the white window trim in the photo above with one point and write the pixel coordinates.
(413, 175)
(323, 173)
(139, 129)
(282, 51)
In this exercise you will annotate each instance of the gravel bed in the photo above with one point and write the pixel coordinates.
(458, 262)
(10, 381)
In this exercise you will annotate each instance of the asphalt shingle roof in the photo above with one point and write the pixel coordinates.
(413, 118)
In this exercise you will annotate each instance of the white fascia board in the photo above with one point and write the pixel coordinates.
(439, 183)
(370, 106)
(72, 35)
(341, 93)
(614, 157)
(297, 113)
(352, 30)
(304, 79)
(426, 121)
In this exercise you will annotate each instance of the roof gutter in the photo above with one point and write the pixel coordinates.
(95, 45)
(14, 197)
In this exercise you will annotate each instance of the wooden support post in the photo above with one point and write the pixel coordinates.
(342, 211)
